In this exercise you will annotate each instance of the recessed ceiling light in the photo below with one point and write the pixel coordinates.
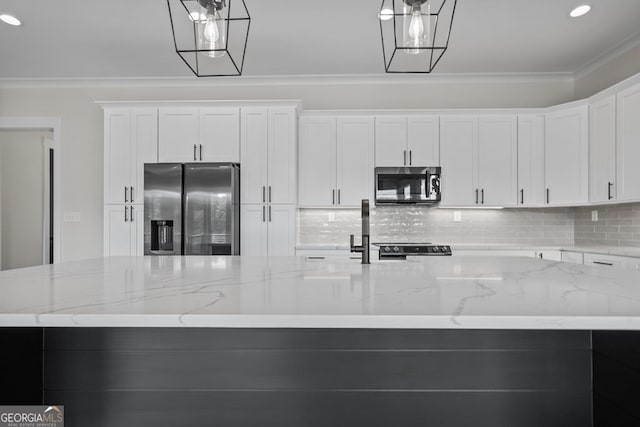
(580, 11)
(385, 14)
(11, 20)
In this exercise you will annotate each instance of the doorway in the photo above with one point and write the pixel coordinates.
(26, 191)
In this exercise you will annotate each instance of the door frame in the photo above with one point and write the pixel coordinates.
(54, 125)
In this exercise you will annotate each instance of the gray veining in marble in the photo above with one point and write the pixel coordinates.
(289, 292)
(542, 227)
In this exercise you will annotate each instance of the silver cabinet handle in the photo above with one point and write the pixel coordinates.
(547, 196)
(338, 196)
(610, 184)
(131, 192)
(264, 215)
(334, 197)
(194, 152)
(269, 194)
(131, 213)
(522, 196)
(482, 192)
(410, 155)
(264, 198)
(125, 215)
(125, 195)
(405, 157)
(477, 196)
(200, 152)
(269, 213)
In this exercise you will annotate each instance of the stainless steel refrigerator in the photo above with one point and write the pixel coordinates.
(192, 209)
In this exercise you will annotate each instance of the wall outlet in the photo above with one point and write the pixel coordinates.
(332, 217)
(457, 216)
(72, 217)
(594, 216)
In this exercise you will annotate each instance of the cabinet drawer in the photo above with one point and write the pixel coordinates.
(619, 263)
(572, 257)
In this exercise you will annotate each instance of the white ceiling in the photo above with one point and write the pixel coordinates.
(133, 39)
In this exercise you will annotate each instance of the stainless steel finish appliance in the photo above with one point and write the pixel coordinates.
(402, 250)
(192, 209)
(407, 185)
(364, 248)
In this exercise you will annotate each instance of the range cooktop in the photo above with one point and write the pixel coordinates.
(404, 249)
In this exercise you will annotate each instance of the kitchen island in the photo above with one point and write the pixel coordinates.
(228, 341)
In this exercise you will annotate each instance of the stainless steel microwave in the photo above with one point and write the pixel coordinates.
(407, 185)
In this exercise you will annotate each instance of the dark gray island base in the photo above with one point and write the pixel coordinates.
(324, 377)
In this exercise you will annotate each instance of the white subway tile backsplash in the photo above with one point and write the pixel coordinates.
(616, 226)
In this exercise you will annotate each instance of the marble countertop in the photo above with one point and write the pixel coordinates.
(288, 292)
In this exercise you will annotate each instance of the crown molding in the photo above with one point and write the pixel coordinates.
(307, 80)
(608, 56)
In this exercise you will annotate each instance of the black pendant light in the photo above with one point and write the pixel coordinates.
(210, 35)
(415, 33)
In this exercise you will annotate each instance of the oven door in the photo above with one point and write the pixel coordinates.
(411, 185)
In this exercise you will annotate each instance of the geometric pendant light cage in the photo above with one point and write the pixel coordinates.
(415, 33)
(210, 35)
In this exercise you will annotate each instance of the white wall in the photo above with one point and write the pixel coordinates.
(612, 72)
(21, 193)
(82, 126)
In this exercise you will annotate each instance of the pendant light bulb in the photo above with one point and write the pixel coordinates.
(416, 28)
(212, 32)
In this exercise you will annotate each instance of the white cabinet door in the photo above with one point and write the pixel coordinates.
(566, 156)
(317, 162)
(282, 157)
(253, 230)
(144, 148)
(117, 156)
(458, 141)
(391, 141)
(178, 135)
(355, 152)
(628, 146)
(136, 224)
(219, 135)
(498, 160)
(253, 155)
(117, 231)
(281, 226)
(602, 150)
(531, 190)
(572, 257)
(423, 140)
(610, 261)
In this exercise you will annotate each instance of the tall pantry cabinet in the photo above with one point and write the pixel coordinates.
(130, 140)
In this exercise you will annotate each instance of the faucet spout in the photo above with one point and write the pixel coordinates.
(365, 247)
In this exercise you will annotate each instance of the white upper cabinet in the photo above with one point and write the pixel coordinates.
(602, 150)
(178, 134)
(130, 140)
(531, 189)
(628, 144)
(498, 160)
(336, 161)
(210, 134)
(566, 156)
(458, 142)
(355, 168)
(423, 140)
(407, 140)
(391, 141)
(479, 160)
(317, 162)
(268, 155)
(219, 136)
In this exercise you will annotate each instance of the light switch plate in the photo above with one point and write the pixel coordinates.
(457, 216)
(594, 216)
(72, 217)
